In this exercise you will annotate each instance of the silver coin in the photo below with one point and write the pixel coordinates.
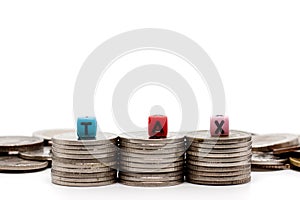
(218, 169)
(151, 184)
(14, 163)
(91, 184)
(152, 165)
(222, 165)
(19, 143)
(268, 167)
(43, 154)
(82, 157)
(238, 182)
(150, 160)
(47, 135)
(83, 180)
(143, 137)
(141, 170)
(204, 137)
(151, 156)
(159, 175)
(85, 152)
(267, 142)
(150, 178)
(85, 148)
(221, 155)
(219, 151)
(219, 174)
(219, 160)
(267, 159)
(222, 146)
(218, 179)
(153, 152)
(75, 162)
(152, 146)
(85, 165)
(71, 138)
(84, 175)
(82, 170)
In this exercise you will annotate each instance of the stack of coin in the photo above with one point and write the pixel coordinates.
(218, 160)
(84, 162)
(151, 162)
(12, 146)
(272, 151)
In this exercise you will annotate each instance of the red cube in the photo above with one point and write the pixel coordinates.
(219, 126)
(157, 126)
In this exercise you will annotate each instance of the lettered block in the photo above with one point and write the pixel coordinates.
(86, 127)
(157, 126)
(219, 126)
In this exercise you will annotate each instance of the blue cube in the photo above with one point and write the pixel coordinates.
(86, 127)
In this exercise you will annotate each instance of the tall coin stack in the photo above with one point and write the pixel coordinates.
(218, 160)
(84, 162)
(151, 162)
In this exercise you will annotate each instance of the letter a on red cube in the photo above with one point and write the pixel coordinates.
(157, 126)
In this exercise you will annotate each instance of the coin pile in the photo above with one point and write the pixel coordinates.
(13, 146)
(84, 162)
(151, 162)
(272, 151)
(218, 160)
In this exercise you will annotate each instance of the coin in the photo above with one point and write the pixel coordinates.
(47, 135)
(220, 151)
(237, 182)
(19, 143)
(82, 170)
(267, 159)
(85, 152)
(278, 166)
(218, 179)
(152, 145)
(219, 174)
(166, 147)
(221, 165)
(14, 163)
(83, 180)
(192, 151)
(71, 138)
(212, 168)
(160, 175)
(75, 162)
(83, 175)
(153, 152)
(204, 137)
(38, 155)
(151, 184)
(85, 147)
(219, 160)
(150, 178)
(90, 184)
(221, 146)
(295, 161)
(142, 137)
(149, 155)
(159, 170)
(85, 165)
(151, 160)
(82, 157)
(151, 165)
(268, 142)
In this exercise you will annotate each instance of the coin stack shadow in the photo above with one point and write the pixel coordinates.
(218, 160)
(84, 162)
(151, 162)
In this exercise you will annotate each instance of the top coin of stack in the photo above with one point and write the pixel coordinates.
(218, 160)
(151, 162)
(84, 162)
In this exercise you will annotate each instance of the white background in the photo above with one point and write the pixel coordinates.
(254, 44)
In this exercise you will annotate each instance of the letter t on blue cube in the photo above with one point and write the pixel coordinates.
(86, 127)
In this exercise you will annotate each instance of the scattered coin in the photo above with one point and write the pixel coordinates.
(295, 161)
(268, 142)
(19, 143)
(47, 135)
(14, 163)
(43, 154)
(267, 159)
